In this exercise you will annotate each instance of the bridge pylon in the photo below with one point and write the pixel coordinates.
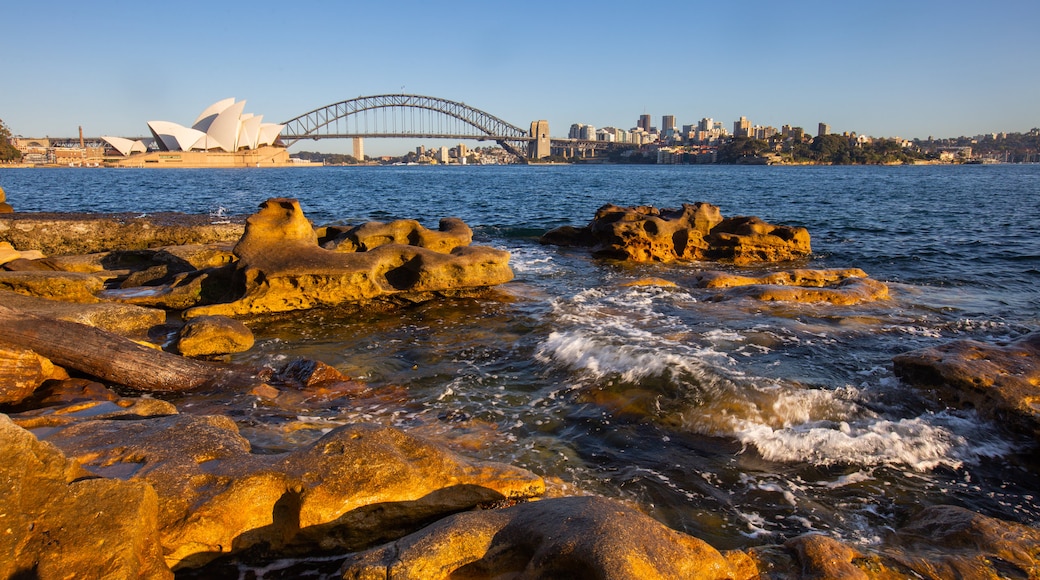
(541, 144)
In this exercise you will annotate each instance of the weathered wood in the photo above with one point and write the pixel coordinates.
(119, 360)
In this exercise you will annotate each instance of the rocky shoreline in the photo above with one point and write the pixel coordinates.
(100, 315)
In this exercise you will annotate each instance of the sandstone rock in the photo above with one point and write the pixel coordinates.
(9, 254)
(282, 268)
(1000, 381)
(22, 371)
(64, 286)
(749, 240)
(452, 233)
(122, 319)
(574, 537)
(693, 232)
(61, 234)
(825, 558)
(60, 523)
(953, 542)
(115, 407)
(210, 335)
(841, 287)
(356, 486)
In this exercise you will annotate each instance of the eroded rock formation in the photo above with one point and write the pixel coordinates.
(281, 267)
(693, 232)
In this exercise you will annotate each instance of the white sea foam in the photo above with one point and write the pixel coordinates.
(921, 443)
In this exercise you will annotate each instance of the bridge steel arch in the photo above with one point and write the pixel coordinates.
(400, 115)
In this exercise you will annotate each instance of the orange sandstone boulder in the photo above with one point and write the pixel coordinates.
(571, 537)
(355, 487)
(691, 233)
(281, 267)
(60, 522)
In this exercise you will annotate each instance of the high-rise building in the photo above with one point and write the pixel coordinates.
(706, 124)
(644, 123)
(824, 129)
(359, 149)
(742, 127)
(667, 123)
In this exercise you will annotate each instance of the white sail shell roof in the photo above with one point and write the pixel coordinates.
(222, 125)
(174, 137)
(205, 119)
(125, 146)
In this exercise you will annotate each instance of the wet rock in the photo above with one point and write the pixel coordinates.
(95, 404)
(281, 267)
(68, 233)
(122, 319)
(825, 558)
(573, 537)
(211, 335)
(59, 522)
(659, 282)
(64, 286)
(1001, 382)
(841, 287)
(692, 232)
(953, 542)
(22, 371)
(356, 486)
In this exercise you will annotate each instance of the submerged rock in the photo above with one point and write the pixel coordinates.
(842, 287)
(1002, 382)
(281, 267)
(691, 233)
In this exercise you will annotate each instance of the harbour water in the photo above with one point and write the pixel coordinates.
(737, 421)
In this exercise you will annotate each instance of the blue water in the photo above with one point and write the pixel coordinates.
(737, 421)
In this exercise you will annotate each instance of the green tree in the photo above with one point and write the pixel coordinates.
(740, 147)
(8, 152)
(831, 148)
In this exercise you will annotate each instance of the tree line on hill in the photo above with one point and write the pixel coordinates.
(8, 152)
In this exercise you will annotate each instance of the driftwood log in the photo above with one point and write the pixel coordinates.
(119, 360)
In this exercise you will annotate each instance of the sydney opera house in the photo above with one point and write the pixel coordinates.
(223, 135)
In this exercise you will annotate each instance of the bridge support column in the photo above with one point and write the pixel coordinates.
(540, 147)
(359, 149)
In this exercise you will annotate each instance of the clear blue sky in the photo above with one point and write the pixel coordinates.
(883, 68)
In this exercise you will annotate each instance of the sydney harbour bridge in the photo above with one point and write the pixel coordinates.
(417, 116)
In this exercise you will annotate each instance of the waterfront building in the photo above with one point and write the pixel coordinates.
(742, 127)
(824, 129)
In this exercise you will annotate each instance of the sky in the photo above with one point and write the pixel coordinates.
(910, 68)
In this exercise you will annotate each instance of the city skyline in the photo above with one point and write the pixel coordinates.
(910, 70)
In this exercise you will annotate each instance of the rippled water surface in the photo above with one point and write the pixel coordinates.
(738, 421)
